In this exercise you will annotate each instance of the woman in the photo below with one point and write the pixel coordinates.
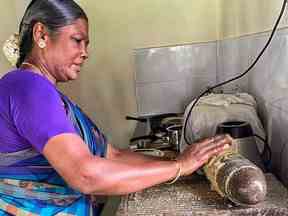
(52, 155)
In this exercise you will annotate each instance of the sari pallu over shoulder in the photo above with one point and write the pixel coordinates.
(30, 186)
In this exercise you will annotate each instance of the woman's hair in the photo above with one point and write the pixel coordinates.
(53, 14)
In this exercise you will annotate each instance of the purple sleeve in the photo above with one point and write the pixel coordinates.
(38, 112)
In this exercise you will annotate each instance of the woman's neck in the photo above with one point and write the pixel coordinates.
(39, 69)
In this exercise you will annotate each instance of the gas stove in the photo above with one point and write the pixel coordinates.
(161, 131)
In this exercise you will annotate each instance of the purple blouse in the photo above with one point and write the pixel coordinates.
(31, 111)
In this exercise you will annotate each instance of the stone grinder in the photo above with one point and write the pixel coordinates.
(235, 174)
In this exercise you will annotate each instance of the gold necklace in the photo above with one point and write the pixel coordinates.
(43, 72)
(33, 66)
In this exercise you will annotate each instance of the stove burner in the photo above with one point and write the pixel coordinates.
(156, 133)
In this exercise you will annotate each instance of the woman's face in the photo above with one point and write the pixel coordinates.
(67, 51)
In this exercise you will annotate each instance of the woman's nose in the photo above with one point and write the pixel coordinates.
(84, 53)
(84, 56)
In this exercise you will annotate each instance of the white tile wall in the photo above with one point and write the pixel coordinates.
(161, 97)
(168, 77)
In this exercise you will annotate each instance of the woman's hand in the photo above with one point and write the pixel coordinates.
(197, 154)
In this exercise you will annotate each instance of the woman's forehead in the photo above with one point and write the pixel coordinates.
(80, 26)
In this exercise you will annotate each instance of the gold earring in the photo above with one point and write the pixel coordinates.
(42, 44)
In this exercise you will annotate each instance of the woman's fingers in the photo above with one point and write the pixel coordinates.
(199, 153)
(214, 150)
(219, 143)
(206, 146)
(215, 139)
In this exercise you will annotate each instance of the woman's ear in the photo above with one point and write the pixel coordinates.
(40, 35)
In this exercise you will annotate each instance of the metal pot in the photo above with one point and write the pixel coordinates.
(174, 134)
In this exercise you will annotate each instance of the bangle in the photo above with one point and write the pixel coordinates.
(177, 175)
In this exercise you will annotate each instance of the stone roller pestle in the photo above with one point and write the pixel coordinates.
(236, 178)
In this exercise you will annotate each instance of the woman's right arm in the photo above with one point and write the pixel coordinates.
(124, 172)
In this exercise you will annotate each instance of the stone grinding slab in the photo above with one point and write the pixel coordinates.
(193, 196)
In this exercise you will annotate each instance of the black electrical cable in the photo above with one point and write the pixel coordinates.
(266, 154)
(237, 77)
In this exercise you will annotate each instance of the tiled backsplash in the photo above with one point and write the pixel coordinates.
(168, 78)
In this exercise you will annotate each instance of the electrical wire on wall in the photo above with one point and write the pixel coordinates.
(267, 149)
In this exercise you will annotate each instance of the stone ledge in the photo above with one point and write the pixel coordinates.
(193, 197)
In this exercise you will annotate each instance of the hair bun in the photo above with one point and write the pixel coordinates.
(11, 49)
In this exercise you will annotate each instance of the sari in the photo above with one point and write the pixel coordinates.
(30, 186)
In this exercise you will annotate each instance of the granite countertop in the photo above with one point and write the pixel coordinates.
(193, 196)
